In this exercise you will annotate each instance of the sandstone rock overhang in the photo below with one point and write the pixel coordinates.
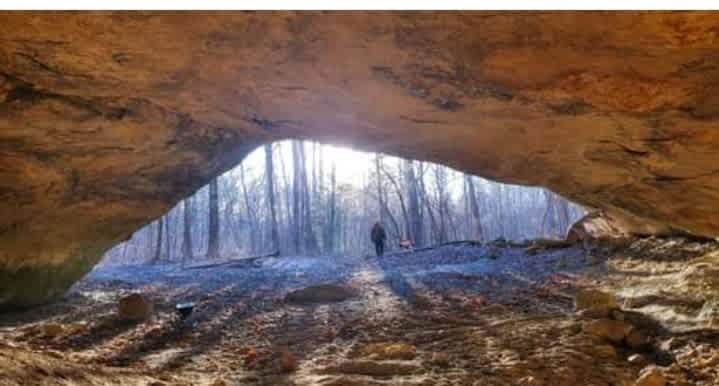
(107, 119)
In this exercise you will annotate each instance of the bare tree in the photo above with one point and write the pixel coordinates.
(403, 207)
(213, 245)
(159, 224)
(187, 230)
(309, 239)
(474, 206)
(415, 228)
(296, 197)
(270, 182)
(330, 232)
(251, 210)
(380, 188)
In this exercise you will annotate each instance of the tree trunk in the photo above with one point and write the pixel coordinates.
(287, 190)
(415, 219)
(331, 220)
(270, 182)
(309, 240)
(252, 219)
(296, 202)
(400, 197)
(474, 206)
(167, 221)
(321, 207)
(563, 209)
(548, 218)
(187, 231)
(160, 224)
(380, 189)
(213, 244)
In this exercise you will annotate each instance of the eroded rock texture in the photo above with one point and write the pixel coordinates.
(107, 119)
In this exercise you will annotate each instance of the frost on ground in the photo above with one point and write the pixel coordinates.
(462, 314)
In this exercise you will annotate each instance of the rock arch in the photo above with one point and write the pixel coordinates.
(107, 119)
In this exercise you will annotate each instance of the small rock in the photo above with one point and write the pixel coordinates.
(618, 315)
(593, 299)
(288, 361)
(532, 250)
(638, 340)
(52, 330)
(611, 330)
(422, 302)
(669, 345)
(528, 381)
(54, 354)
(135, 307)
(710, 362)
(441, 359)
(75, 328)
(651, 376)
(605, 351)
(218, 382)
(574, 328)
(637, 359)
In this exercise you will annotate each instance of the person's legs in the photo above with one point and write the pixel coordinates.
(381, 248)
(378, 249)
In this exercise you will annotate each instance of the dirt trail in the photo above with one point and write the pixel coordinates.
(459, 315)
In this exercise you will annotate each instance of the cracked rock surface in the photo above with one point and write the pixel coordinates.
(108, 119)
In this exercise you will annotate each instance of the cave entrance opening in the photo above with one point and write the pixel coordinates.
(305, 198)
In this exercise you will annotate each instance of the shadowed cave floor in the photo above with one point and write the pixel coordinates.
(496, 314)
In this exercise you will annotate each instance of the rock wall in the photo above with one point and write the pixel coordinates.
(108, 119)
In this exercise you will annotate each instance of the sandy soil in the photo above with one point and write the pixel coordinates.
(458, 315)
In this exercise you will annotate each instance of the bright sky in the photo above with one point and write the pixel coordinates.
(352, 166)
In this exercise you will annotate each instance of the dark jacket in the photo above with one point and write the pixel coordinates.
(378, 235)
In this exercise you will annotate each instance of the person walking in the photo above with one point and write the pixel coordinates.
(378, 237)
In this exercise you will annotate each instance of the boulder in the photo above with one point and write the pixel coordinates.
(605, 352)
(441, 359)
(595, 302)
(638, 340)
(596, 225)
(52, 330)
(321, 293)
(611, 330)
(651, 376)
(135, 307)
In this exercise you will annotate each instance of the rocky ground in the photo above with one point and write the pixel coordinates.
(461, 314)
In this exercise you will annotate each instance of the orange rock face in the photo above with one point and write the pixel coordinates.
(107, 119)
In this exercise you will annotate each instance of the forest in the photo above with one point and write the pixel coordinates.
(306, 198)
